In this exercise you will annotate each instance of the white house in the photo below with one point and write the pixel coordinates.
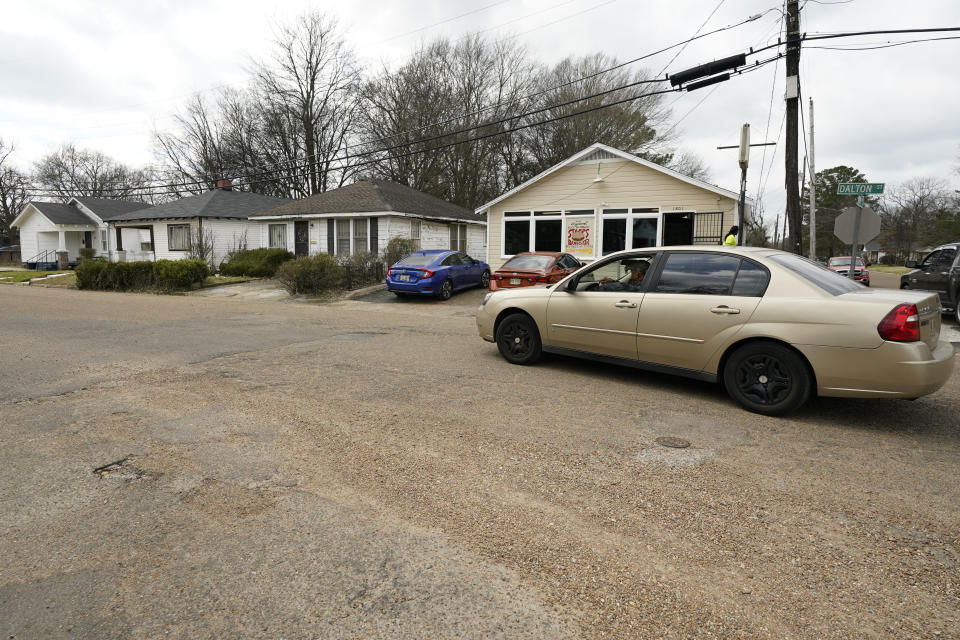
(602, 200)
(165, 231)
(47, 228)
(365, 216)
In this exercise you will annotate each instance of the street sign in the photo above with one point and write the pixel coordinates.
(857, 188)
(843, 228)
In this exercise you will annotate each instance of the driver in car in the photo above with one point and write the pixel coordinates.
(633, 283)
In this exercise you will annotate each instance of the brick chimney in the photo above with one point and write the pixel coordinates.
(225, 183)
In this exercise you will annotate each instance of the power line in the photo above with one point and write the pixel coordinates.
(437, 24)
(884, 46)
(259, 178)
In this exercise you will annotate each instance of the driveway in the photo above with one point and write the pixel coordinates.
(210, 467)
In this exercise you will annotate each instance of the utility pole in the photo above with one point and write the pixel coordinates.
(744, 162)
(813, 193)
(792, 96)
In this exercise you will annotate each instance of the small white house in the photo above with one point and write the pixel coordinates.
(164, 232)
(47, 228)
(365, 216)
(602, 200)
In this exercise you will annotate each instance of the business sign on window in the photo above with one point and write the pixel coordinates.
(579, 237)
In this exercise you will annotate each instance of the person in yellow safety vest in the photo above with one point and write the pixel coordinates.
(730, 240)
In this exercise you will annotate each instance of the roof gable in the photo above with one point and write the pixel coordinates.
(598, 152)
(56, 213)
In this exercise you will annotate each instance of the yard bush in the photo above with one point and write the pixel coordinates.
(87, 253)
(174, 275)
(89, 273)
(257, 263)
(398, 248)
(165, 275)
(888, 258)
(311, 275)
(361, 269)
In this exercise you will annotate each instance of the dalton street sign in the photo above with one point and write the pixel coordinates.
(860, 189)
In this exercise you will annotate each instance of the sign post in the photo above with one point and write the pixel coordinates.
(847, 226)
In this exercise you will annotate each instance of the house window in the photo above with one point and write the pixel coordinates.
(415, 233)
(343, 237)
(360, 235)
(630, 228)
(532, 231)
(278, 236)
(103, 240)
(178, 238)
(458, 237)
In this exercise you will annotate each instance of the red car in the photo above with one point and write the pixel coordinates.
(841, 264)
(532, 268)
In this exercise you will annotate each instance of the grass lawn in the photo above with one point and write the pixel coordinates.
(62, 282)
(12, 277)
(885, 268)
(216, 281)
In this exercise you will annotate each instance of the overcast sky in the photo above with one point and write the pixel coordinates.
(104, 74)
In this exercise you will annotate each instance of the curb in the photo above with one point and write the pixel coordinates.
(356, 293)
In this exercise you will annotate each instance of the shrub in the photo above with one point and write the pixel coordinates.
(398, 248)
(257, 263)
(174, 275)
(361, 269)
(87, 253)
(888, 258)
(165, 275)
(312, 275)
(89, 273)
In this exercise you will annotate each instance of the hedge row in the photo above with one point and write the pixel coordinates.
(165, 275)
(257, 263)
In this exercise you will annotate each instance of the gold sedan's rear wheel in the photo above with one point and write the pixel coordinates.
(767, 378)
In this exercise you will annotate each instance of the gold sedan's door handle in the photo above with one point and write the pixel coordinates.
(724, 309)
(625, 304)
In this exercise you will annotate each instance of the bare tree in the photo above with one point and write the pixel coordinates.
(70, 171)
(311, 83)
(631, 126)
(690, 165)
(13, 195)
(910, 208)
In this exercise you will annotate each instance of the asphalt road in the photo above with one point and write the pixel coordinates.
(372, 469)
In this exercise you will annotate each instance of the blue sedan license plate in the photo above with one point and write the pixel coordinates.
(404, 278)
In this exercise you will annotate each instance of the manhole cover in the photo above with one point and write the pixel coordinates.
(673, 443)
(353, 336)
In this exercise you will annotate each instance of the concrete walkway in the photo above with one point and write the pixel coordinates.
(271, 291)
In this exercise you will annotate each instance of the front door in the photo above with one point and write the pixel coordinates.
(600, 316)
(677, 228)
(301, 238)
(87, 239)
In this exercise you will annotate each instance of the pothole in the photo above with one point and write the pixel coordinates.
(122, 469)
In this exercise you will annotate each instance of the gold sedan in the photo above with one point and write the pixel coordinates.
(774, 328)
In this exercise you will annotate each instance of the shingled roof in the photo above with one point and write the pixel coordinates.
(218, 203)
(106, 207)
(59, 213)
(374, 196)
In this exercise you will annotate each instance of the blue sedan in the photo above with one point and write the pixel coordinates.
(437, 272)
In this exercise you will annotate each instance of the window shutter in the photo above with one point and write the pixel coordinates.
(374, 240)
(330, 238)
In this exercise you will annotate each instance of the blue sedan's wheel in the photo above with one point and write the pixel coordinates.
(485, 280)
(518, 339)
(445, 291)
(767, 378)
